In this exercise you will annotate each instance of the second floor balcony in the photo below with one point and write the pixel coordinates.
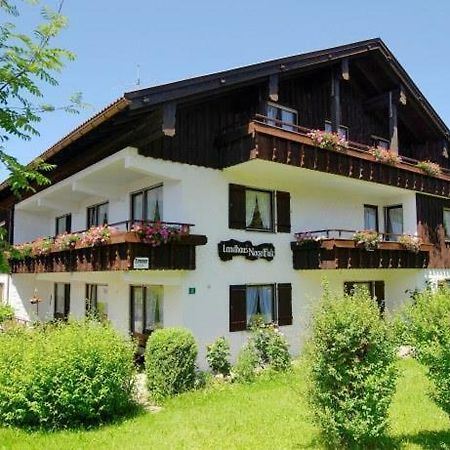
(120, 246)
(349, 249)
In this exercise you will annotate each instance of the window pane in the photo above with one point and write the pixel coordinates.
(137, 206)
(343, 133)
(154, 204)
(272, 112)
(59, 298)
(370, 218)
(252, 302)
(102, 214)
(289, 117)
(394, 225)
(258, 206)
(383, 144)
(153, 308)
(91, 298)
(138, 309)
(328, 127)
(447, 222)
(266, 303)
(92, 216)
(61, 225)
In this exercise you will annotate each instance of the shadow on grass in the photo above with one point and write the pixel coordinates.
(429, 439)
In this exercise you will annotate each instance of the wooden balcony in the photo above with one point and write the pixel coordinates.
(335, 249)
(290, 144)
(118, 254)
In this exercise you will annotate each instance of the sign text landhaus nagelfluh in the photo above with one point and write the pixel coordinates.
(230, 248)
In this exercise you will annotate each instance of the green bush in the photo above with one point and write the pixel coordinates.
(218, 356)
(425, 324)
(353, 374)
(248, 360)
(65, 375)
(6, 313)
(170, 362)
(271, 345)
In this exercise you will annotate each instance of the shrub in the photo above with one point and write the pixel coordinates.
(271, 346)
(353, 372)
(245, 369)
(170, 362)
(76, 374)
(426, 325)
(6, 313)
(218, 356)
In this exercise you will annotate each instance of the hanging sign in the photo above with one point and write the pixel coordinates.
(230, 248)
(141, 263)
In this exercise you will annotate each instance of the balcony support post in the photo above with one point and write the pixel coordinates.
(393, 126)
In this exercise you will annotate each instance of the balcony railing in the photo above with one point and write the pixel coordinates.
(125, 245)
(273, 140)
(338, 249)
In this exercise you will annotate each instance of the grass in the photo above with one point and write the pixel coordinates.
(271, 413)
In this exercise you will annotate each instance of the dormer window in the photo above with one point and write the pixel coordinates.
(281, 116)
(342, 130)
(378, 142)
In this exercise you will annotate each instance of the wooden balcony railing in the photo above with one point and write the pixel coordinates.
(337, 249)
(124, 249)
(272, 140)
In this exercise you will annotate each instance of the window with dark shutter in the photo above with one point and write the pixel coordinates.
(236, 203)
(283, 212)
(284, 304)
(238, 311)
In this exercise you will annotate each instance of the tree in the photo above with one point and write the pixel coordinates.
(27, 63)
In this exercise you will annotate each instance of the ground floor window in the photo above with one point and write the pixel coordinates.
(146, 312)
(95, 303)
(273, 302)
(62, 301)
(375, 289)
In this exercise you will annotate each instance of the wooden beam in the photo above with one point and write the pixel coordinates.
(393, 122)
(169, 118)
(345, 70)
(335, 101)
(273, 87)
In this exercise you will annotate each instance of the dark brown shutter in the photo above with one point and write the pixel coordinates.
(283, 212)
(284, 304)
(69, 223)
(379, 294)
(66, 300)
(236, 206)
(238, 308)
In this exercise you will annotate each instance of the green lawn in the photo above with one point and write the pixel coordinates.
(271, 414)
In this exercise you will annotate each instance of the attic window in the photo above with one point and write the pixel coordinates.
(281, 116)
(378, 142)
(342, 130)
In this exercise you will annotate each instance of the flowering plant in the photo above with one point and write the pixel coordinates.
(97, 236)
(307, 237)
(385, 156)
(430, 168)
(20, 252)
(67, 241)
(411, 243)
(42, 246)
(369, 239)
(328, 140)
(157, 233)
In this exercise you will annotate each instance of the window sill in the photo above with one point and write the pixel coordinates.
(260, 230)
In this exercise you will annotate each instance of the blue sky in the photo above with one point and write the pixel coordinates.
(172, 40)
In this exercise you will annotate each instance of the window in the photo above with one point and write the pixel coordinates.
(375, 289)
(96, 295)
(146, 309)
(63, 224)
(446, 219)
(371, 217)
(342, 130)
(2, 293)
(281, 116)
(97, 215)
(62, 301)
(273, 302)
(380, 142)
(394, 222)
(254, 209)
(147, 204)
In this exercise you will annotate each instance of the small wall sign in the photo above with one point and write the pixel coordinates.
(230, 248)
(141, 263)
(191, 290)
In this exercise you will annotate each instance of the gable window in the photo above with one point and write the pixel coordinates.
(62, 301)
(97, 215)
(378, 142)
(253, 209)
(281, 116)
(371, 217)
(95, 303)
(147, 204)
(146, 309)
(394, 222)
(342, 130)
(63, 224)
(374, 288)
(272, 302)
(446, 219)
